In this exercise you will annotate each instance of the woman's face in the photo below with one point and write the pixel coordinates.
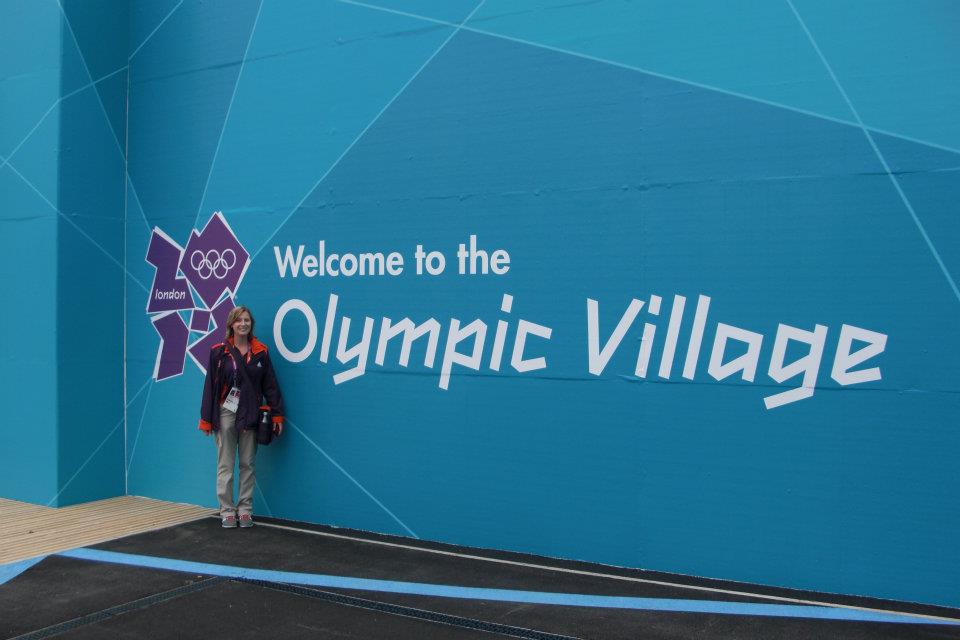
(241, 326)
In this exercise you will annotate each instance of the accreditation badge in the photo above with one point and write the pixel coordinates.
(232, 401)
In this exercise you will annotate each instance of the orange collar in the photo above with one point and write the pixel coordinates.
(255, 345)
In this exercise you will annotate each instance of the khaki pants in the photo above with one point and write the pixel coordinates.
(227, 446)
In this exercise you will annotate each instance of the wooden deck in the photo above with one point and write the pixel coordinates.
(28, 530)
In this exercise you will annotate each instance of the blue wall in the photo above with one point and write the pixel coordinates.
(63, 138)
(799, 177)
(91, 280)
(29, 83)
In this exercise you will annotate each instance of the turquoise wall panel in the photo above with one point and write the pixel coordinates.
(91, 279)
(29, 142)
(29, 67)
(28, 459)
(619, 152)
(750, 192)
(905, 86)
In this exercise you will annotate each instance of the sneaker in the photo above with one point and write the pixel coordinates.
(229, 522)
(246, 520)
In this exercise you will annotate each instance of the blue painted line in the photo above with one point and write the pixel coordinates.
(502, 595)
(10, 571)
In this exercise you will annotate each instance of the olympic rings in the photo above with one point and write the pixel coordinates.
(213, 263)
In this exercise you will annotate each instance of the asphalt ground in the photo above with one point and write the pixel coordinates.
(294, 580)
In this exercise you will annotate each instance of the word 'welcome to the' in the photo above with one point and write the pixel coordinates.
(471, 260)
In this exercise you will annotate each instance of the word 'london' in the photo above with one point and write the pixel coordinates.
(598, 356)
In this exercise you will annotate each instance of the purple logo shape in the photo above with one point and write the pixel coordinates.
(200, 320)
(214, 261)
(200, 350)
(173, 345)
(169, 292)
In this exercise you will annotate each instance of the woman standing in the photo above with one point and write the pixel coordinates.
(239, 376)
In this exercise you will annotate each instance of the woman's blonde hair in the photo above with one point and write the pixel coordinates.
(232, 317)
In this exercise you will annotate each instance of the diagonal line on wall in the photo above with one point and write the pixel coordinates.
(136, 196)
(103, 109)
(905, 138)
(100, 446)
(256, 485)
(157, 28)
(75, 226)
(126, 166)
(416, 74)
(352, 479)
(126, 171)
(655, 74)
(226, 117)
(876, 150)
(136, 439)
(56, 102)
(86, 68)
(53, 106)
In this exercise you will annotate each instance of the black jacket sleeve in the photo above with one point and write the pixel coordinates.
(271, 389)
(209, 400)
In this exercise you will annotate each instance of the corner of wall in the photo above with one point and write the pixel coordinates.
(90, 252)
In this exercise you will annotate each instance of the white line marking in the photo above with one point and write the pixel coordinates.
(75, 226)
(103, 110)
(456, 30)
(594, 574)
(46, 113)
(143, 414)
(256, 485)
(157, 28)
(86, 68)
(656, 74)
(100, 446)
(352, 479)
(226, 117)
(876, 150)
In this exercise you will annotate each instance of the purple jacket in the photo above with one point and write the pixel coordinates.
(220, 377)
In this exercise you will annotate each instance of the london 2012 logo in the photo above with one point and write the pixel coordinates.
(193, 292)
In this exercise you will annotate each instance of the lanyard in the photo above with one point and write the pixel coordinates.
(236, 369)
